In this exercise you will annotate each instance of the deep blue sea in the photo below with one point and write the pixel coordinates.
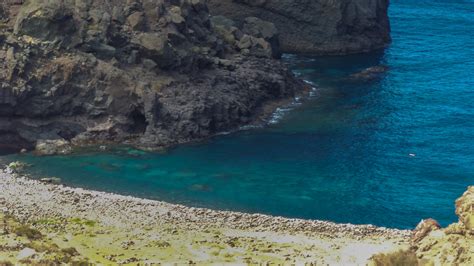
(388, 151)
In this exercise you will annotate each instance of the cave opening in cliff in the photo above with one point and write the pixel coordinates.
(12, 142)
(139, 122)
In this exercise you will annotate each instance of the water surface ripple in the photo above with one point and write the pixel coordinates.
(389, 151)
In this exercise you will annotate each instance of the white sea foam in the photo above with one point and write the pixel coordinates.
(277, 115)
(224, 133)
(249, 127)
(280, 113)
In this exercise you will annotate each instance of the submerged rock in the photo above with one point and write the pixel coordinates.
(370, 73)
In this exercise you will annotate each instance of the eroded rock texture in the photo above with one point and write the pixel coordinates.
(317, 26)
(148, 72)
(453, 245)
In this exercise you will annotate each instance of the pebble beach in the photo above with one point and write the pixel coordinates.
(235, 237)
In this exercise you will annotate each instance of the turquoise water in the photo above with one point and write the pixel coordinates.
(388, 151)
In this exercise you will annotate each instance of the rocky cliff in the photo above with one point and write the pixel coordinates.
(453, 245)
(317, 26)
(147, 72)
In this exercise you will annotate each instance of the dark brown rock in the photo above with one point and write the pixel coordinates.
(317, 26)
(255, 36)
(137, 21)
(148, 73)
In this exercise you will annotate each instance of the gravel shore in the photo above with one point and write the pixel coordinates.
(31, 200)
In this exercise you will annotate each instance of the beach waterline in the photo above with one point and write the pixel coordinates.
(388, 150)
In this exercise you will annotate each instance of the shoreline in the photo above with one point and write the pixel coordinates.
(30, 200)
(168, 211)
(266, 114)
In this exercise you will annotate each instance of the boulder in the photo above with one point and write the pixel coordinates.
(157, 48)
(226, 28)
(254, 37)
(263, 29)
(370, 73)
(137, 21)
(424, 228)
(53, 147)
(48, 20)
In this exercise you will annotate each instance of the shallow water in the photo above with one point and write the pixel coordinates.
(389, 151)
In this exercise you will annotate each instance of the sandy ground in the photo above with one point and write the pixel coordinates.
(109, 229)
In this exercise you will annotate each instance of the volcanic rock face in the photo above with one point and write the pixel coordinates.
(317, 26)
(149, 72)
(255, 37)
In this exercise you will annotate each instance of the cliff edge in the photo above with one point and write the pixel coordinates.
(317, 26)
(148, 73)
(453, 245)
(432, 245)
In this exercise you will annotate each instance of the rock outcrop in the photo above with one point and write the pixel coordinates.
(146, 72)
(53, 147)
(453, 245)
(255, 36)
(317, 26)
(465, 210)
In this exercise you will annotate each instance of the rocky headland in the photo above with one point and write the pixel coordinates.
(158, 73)
(147, 73)
(319, 27)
